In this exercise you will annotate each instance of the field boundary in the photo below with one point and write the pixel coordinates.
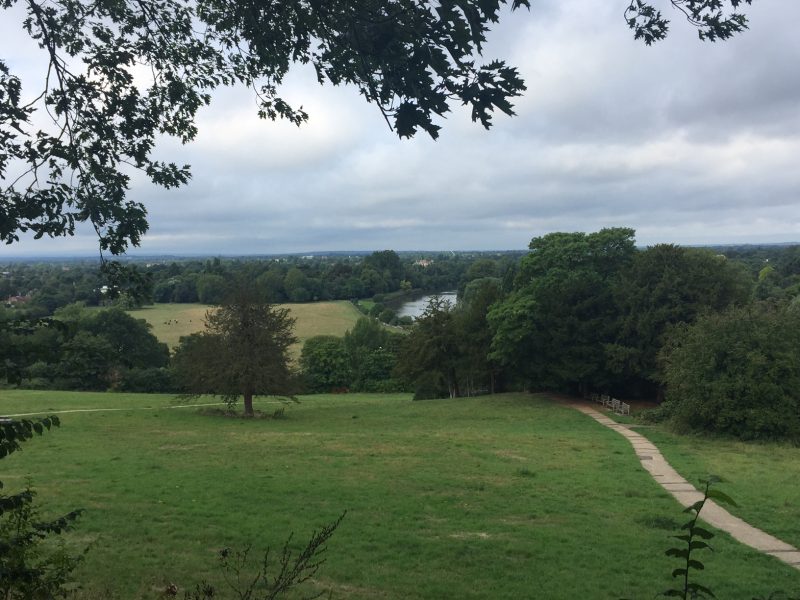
(92, 410)
(686, 494)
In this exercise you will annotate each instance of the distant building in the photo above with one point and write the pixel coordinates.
(18, 299)
(423, 262)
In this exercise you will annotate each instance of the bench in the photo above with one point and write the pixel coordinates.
(619, 407)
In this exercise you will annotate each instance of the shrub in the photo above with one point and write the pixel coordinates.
(325, 364)
(147, 381)
(269, 577)
(30, 567)
(387, 315)
(738, 373)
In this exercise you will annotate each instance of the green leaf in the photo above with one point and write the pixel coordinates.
(696, 507)
(711, 480)
(721, 497)
(679, 572)
(696, 587)
(695, 564)
(703, 533)
(697, 545)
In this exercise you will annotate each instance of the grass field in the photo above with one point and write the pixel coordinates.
(171, 321)
(763, 478)
(508, 496)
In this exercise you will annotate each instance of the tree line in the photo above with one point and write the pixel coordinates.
(711, 337)
(44, 287)
(715, 339)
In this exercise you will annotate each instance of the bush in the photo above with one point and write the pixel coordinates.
(147, 381)
(383, 386)
(430, 386)
(738, 373)
(325, 364)
(31, 565)
(273, 575)
(376, 310)
(387, 315)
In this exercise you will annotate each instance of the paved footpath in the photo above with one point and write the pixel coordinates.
(685, 493)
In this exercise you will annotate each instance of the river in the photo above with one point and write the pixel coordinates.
(414, 308)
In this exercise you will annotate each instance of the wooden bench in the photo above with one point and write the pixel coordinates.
(619, 407)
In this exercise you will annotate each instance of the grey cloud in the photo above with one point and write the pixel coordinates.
(685, 141)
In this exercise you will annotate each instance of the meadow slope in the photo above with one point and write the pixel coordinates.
(508, 496)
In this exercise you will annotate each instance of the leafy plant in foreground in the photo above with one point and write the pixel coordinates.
(29, 566)
(695, 538)
(292, 570)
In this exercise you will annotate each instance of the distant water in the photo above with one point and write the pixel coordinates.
(414, 308)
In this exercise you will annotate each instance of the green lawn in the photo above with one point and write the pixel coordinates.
(171, 321)
(505, 497)
(762, 478)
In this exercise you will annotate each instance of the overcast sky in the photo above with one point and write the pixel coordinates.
(685, 141)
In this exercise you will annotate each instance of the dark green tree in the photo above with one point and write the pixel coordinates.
(387, 264)
(297, 286)
(129, 281)
(372, 282)
(663, 286)
(270, 282)
(86, 362)
(244, 351)
(736, 372)
(713, 19)
(517, 344)
(410, 58)
(29, 566)
(550, 331)
(431, 354)
(133, 345)
(211, 288)
(325, 364)
(372, 352)
(476, 334)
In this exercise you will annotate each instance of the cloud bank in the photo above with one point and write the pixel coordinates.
(685, 141)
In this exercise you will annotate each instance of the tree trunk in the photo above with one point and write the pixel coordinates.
(248, 404)
(456, 393)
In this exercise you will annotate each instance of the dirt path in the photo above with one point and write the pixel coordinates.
(685, 493)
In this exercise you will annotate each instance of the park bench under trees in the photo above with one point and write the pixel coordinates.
(619, 407)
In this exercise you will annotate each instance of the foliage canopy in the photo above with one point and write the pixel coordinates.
(28, 567)
(409, 58)
(737, 372)
(243, 352)
(120, 74)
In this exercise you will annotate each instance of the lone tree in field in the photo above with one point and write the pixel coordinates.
(243, 352)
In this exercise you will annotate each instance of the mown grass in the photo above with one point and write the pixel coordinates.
(507, 496)
(171, 321)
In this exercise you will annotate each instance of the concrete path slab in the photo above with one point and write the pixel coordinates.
(686, 494)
